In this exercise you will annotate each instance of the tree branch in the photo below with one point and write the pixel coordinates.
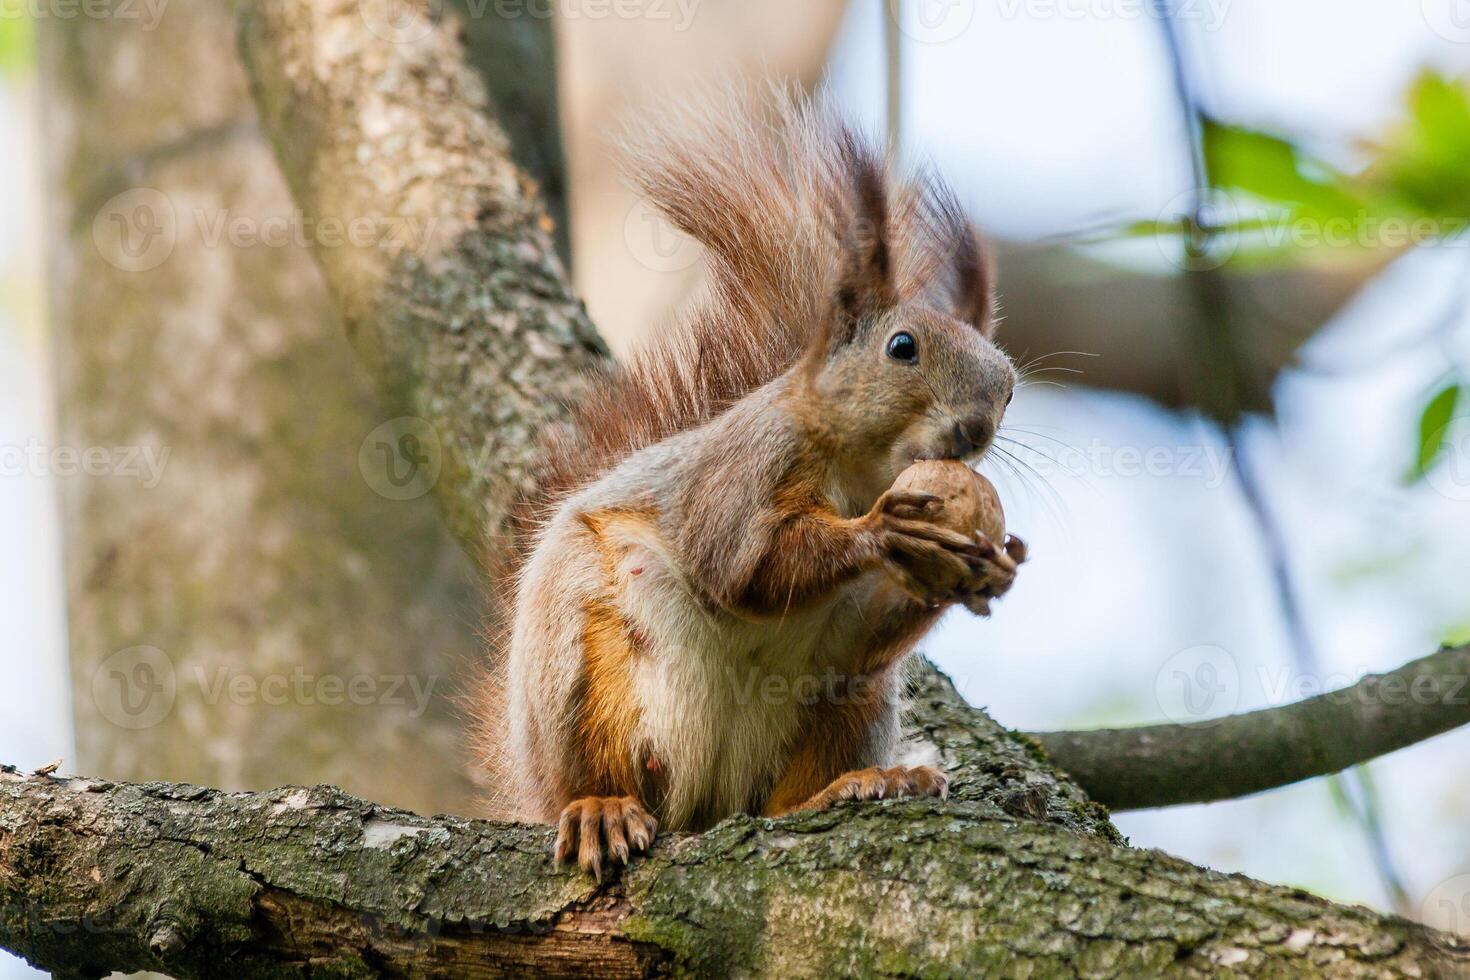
(459, 307)
(96, 877)
(514, 51)
(1166, 765)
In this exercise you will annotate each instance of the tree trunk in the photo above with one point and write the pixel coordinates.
(250, 609)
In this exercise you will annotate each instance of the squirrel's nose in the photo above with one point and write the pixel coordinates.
(973, 433)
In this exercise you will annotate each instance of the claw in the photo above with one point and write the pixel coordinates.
(598, 829)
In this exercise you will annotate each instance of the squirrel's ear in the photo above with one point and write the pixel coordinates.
(868, 284)
(973, 270)
(959, 261)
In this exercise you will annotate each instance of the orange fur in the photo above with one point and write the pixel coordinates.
(813, 550)
(609, 711)
(830, 743)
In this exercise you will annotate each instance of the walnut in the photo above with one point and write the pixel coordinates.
(970, 501)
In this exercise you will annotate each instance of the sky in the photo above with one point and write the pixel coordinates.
(1050, 117)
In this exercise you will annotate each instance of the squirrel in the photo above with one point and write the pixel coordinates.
(710, 614)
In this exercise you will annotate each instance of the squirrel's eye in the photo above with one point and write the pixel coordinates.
(903, 347)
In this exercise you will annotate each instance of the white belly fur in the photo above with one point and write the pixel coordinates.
(720, 697)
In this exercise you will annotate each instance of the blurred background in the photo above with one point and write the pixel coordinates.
(1234, 261)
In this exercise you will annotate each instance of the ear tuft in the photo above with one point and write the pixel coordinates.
(868, 281)
(961, 272)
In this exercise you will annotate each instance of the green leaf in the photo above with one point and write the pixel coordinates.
(1274, 170)
(17, 52)
(1434, 430)
(1423, 164)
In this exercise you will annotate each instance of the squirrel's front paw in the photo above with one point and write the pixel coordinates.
(881, 784)
(930, 562)
(595, 828)
(995, 575)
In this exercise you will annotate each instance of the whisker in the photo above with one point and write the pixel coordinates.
(1032, 479)
(1033, 372)
(1029, 448)
(1032, 362)
(1039, 435)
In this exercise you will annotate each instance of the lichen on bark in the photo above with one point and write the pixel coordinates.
(96, 876)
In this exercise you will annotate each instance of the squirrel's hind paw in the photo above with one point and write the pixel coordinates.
(881, 784)
(598, 828)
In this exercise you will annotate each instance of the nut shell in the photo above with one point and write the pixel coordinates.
(970, 501)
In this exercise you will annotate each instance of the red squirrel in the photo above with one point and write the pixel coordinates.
(710, 616)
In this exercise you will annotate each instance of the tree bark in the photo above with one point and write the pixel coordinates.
(1007, 878)
(258, 557)
(462, 310)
